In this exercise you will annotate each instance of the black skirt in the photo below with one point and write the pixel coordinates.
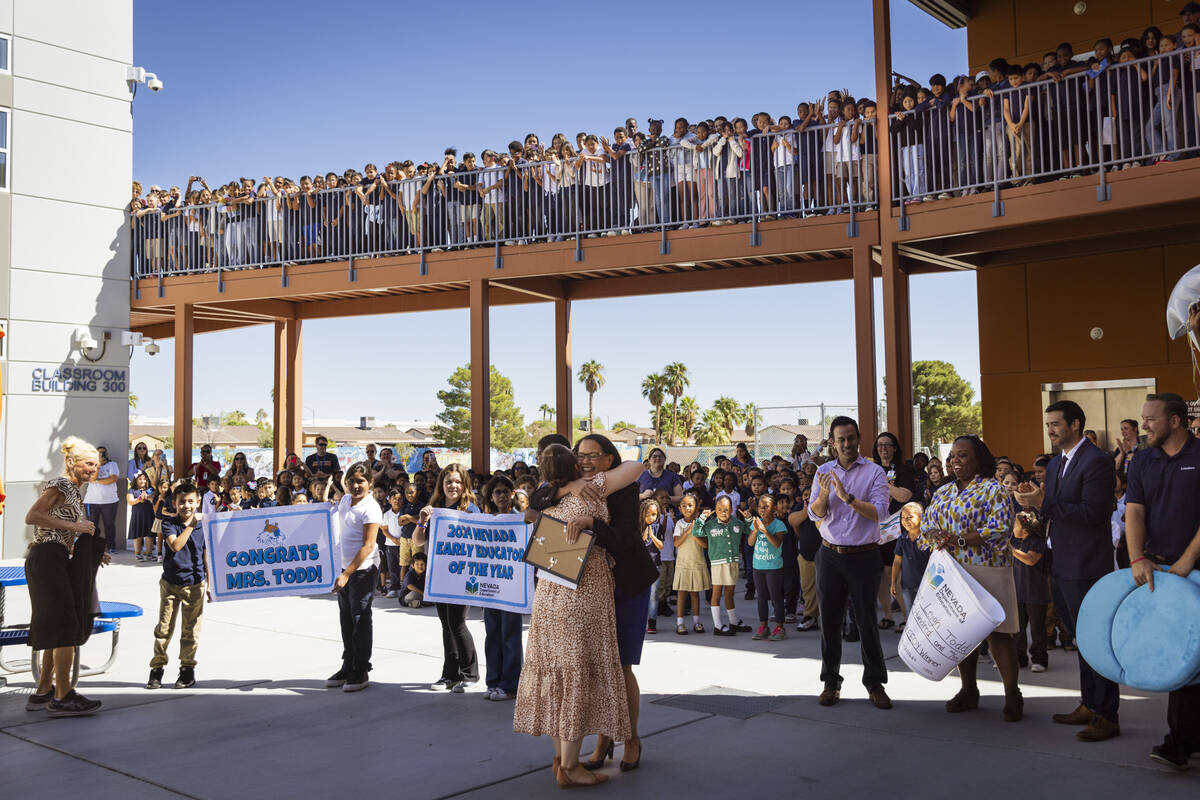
(62, 592)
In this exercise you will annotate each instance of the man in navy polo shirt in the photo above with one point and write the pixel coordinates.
(1162, 527)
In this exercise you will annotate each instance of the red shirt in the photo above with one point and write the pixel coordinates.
(204, 471)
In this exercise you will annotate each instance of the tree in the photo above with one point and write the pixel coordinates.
(266, 437)
(654, 389)
(689, 411)
(547, 411)
(731, 413)
(536, 430)
(591, 375)
(752, 417)
(454, 428)
(676, 379)
(133, 400)
(622, 424)
(946, 402)
(234, 418)
(711, 429)
(260, 418)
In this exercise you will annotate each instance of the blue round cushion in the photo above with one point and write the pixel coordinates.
(1156, 635)
(1094, 628)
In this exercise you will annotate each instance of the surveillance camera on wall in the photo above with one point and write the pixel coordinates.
(154, 84)
(152, 349)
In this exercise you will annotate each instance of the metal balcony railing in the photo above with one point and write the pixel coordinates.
(1130, 113)
(604, 189)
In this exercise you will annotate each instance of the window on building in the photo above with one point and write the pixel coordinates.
(4, 40)
(4, 149)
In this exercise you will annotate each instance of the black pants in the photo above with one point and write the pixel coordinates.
(354, 607)
(791, 589)
(1183, 719)
(1097, 693)
(748, 566)
(1032, 616)
(768, 588)
(849, 578)
(394, 570)
(460, 662)
(502, 648)
(108, 513)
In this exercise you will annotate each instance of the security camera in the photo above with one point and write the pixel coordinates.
(154, 84)
(84, 339)
(152, 349)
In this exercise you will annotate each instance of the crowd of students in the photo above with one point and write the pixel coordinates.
(1122, 105)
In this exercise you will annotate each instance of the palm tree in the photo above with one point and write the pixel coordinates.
(730, 411)
(133, 400)
(591, 375)
(689, 410)
(752, 417)
(546, 411)
(654, 389)
(261, 417)
(677, 380)
(711, 430)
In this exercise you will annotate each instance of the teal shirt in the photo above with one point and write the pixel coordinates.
(766, 555)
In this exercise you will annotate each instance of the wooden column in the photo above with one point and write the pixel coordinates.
(883, 86)
(185, 325)
(563, 372)
(279, 394)
(481, 384)
(293, 397)
(897, 345)
(864, 343)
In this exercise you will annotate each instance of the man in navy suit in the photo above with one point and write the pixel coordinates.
(1077, 504)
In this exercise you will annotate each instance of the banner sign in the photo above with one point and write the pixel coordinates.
(271, 552)
(475, 560)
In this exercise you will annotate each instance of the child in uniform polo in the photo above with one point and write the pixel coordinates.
(414, 583)
(722, 535)
(182, 588)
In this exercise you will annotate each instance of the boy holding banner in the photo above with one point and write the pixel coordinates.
(182, 587)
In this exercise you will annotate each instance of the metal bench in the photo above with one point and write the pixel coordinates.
(109, 621)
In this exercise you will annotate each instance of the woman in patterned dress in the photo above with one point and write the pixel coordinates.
(971, 517)
(572, 684)
(60, 568)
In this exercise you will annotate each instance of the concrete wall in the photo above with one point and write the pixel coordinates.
(1022, 30)
(63, 239)
(1035, 328)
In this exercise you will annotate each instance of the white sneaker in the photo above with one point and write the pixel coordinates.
(500, 695)
(393, 593)
(490, 694)
(1037, 668)
(459, 688)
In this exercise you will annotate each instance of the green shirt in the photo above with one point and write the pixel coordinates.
(724, 539)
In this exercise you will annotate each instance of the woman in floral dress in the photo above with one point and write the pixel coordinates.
(572, 684)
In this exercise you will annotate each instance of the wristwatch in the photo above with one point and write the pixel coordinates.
(961, 541)
(849, 499)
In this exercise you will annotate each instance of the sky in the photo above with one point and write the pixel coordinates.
(288, 88)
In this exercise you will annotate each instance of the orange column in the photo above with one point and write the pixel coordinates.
(883, 86)
(864, 342)
(185, 325)
(280, 410)
(293, 432)
(563, 373)
(897, 347)
(481, 383)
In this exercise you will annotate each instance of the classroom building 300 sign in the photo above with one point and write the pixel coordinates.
(69, 378)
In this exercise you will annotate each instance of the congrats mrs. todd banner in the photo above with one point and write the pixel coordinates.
(268, 552)
(475, 560)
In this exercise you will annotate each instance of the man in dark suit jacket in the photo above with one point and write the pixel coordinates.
(1077, 504)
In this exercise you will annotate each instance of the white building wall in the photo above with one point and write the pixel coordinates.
(64, 243)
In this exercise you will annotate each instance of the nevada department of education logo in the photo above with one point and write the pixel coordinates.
(933, 575)
(472, 585)
(270, 534)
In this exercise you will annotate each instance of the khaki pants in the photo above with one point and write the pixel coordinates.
(808, 586)
(173, 598)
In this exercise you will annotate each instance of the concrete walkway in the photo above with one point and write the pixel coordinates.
(720, 717)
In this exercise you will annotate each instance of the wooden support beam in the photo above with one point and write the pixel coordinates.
(563, 371)
(882, 14)
(293, 433)
(864, 343)
(833, 269)
(897, 347)
(184, 330)
(540, 288)
(279, 402)
(481, 391)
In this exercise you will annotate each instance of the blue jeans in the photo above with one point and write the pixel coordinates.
(661, 186)
(502, 649)
(785, 194)
(1160, 128)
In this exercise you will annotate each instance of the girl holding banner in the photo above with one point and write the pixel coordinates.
(972, 517)
(572, 684)
(359, 518)
(460, 664)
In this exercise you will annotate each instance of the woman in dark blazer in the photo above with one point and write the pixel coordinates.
(633, 574)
